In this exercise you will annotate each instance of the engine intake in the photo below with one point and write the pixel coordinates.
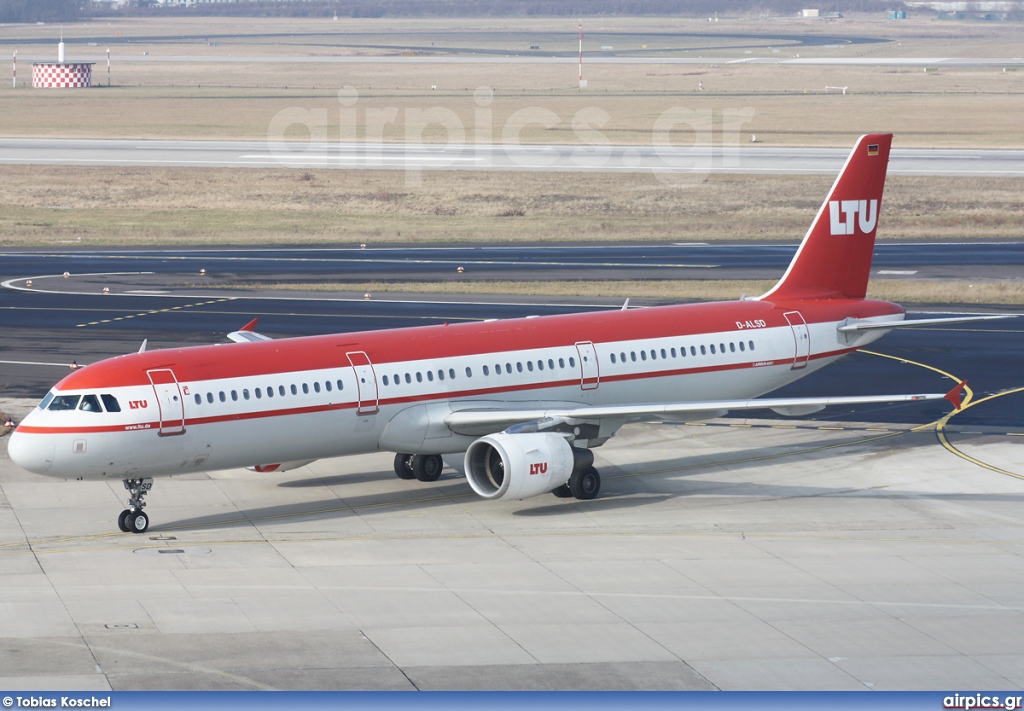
(518, 466)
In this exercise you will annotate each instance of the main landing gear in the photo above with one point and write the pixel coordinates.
(425, 467)
(133, 519)
(583, 485)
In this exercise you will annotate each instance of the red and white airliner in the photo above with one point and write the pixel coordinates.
(525, 399)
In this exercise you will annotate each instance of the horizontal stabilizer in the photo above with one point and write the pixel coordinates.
(867, 324)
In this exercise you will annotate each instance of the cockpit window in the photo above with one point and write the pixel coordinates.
(64, 402)
(110, 402)
(46, 401)
(90, 403)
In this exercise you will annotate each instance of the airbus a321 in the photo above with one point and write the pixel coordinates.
(525, 399)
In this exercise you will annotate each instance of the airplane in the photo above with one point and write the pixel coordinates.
(525, 399)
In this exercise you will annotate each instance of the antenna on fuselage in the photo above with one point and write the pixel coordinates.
(625, 306)
(143, 348)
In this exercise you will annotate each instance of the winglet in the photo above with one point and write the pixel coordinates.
(251, 326)
(954, 395)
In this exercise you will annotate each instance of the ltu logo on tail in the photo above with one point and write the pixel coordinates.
(845, 214)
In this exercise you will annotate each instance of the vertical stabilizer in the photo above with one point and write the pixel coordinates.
(834, 260)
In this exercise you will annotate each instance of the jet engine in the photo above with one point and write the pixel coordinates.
(518, 466)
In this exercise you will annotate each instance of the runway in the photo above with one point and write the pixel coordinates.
(669, 260)
(460, 156)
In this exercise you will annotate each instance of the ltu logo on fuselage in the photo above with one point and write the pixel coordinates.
(844, 214)
(138, 404)
(538, 468)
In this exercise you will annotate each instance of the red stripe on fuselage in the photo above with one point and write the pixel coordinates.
(428, 397)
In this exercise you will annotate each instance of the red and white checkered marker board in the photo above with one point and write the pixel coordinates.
(62, 76)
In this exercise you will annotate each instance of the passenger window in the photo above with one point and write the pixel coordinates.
(654, 354)
(234, 395)
(750, 345)
(64, 402)
(561, 362)
(721, 347)
(540, 365)
(295, 391)
(90, 403)
(245, 393)
(519, 367)
(316, 388)
(419, 377)
(110, 403)
(551, 364)
(305, 388)
(199, 399)
(741, 346)
(572, 362)
(451, 373)
(673, 352)
(270, 391)
(663, 355)
(259, 394)
(712, 349)
(280, 390)
(693, 350)
(209, 398)
(407, 378)
(643, 355)
(46, 401)
(703, 350)
(341, 385)
(732, 347)
(487, 370)
(430, 376)
(529, 366)
(385, 380)
(440, 375)
(223, 397)
(632, 356)
(327, 384)
(508, 368)
(469, 372)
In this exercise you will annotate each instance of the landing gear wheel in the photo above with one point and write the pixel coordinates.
(137, 521)
(132, 519)
(562, 492)
(585, 484)
(427, 467)
(403, 466)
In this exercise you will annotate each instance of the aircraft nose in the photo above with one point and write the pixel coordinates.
(32, 452)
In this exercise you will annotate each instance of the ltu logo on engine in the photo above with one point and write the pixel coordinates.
(538, 468)
(845, 214)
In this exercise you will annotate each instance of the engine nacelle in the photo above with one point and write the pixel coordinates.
(518, 466)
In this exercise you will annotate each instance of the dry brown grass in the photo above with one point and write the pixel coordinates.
(44, 206)
(900, 291)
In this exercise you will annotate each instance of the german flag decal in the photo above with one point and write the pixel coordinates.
(872, 149)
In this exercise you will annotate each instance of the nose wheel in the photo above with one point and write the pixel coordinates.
(133, 519)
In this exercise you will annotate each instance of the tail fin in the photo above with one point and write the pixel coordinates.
(834, 260)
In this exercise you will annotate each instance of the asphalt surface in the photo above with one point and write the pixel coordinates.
(459, 156)
(689, 260)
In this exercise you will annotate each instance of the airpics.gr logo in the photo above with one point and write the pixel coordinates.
(844, 215)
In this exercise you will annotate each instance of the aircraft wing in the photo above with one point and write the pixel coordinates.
(792, 406)
(247, 334)
(867, 324)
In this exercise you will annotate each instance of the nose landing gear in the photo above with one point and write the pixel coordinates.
(133, 519)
